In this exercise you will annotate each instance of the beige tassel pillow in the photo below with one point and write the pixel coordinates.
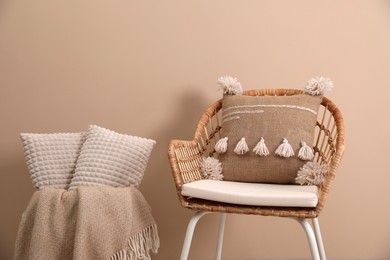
(51, 158)
(266, 138)
(108, 158)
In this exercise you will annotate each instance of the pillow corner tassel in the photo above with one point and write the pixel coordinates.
(311, 173)
(260, 148)
(241, 147)
(285, 149)
(305, 152)
(221, 145)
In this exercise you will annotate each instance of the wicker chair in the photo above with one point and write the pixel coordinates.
(185, 157)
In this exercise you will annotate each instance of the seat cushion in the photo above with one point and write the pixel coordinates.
(254, 194)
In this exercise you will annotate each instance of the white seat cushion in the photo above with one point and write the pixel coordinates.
(254, 194)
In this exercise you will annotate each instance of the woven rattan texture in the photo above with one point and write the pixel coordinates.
(185, 156)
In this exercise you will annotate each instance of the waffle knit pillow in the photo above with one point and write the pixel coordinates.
(51, 158)
(108, 158)
(266, 138)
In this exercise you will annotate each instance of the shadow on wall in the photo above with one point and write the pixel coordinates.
(158, 186)
(16, 192)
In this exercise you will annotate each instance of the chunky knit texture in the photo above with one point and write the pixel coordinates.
(51, 158)
(108, 158)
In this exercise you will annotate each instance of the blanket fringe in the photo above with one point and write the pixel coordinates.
(140, 245)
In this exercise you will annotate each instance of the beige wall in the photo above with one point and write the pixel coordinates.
(149, 68)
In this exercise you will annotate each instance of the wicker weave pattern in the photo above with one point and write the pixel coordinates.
(185, 156)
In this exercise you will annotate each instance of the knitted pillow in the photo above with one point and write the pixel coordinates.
(265, 138)
(108, 158)
(51, 158)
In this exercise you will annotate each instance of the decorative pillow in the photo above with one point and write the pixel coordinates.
(266, 138)
(108, 158)
(51, 158)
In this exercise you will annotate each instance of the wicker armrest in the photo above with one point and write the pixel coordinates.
(329, 145)
(184, 158)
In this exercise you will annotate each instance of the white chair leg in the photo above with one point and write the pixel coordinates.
(190, 232)
(311, 237)
(220, 236)
(317, 232)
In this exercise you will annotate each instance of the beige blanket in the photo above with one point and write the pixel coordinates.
(87, 223)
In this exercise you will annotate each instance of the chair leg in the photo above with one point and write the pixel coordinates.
(220, 236)
(317, 233)
(190, 232)
(311, 237)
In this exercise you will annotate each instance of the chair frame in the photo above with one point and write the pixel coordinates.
(185, 156)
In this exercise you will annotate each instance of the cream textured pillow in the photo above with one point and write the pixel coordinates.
(108, 158)
(51, 158)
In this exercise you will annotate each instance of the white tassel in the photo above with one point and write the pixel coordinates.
(305, 152)
(241, 147)
(221, 145)
(318, 85)
(211, 168)
(285, 149)
(230, 85)
(312, 173)
(260, 148)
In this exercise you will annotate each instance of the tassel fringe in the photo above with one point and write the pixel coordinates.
(221, 145)
(140, 245)
(305, 152)
(260, 148)
(285, 149)
(241, 147)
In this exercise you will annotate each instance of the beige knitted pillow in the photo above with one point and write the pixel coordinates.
(51, 158)
(108, 158)
(268, 138)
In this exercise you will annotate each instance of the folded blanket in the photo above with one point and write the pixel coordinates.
(87, 223)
